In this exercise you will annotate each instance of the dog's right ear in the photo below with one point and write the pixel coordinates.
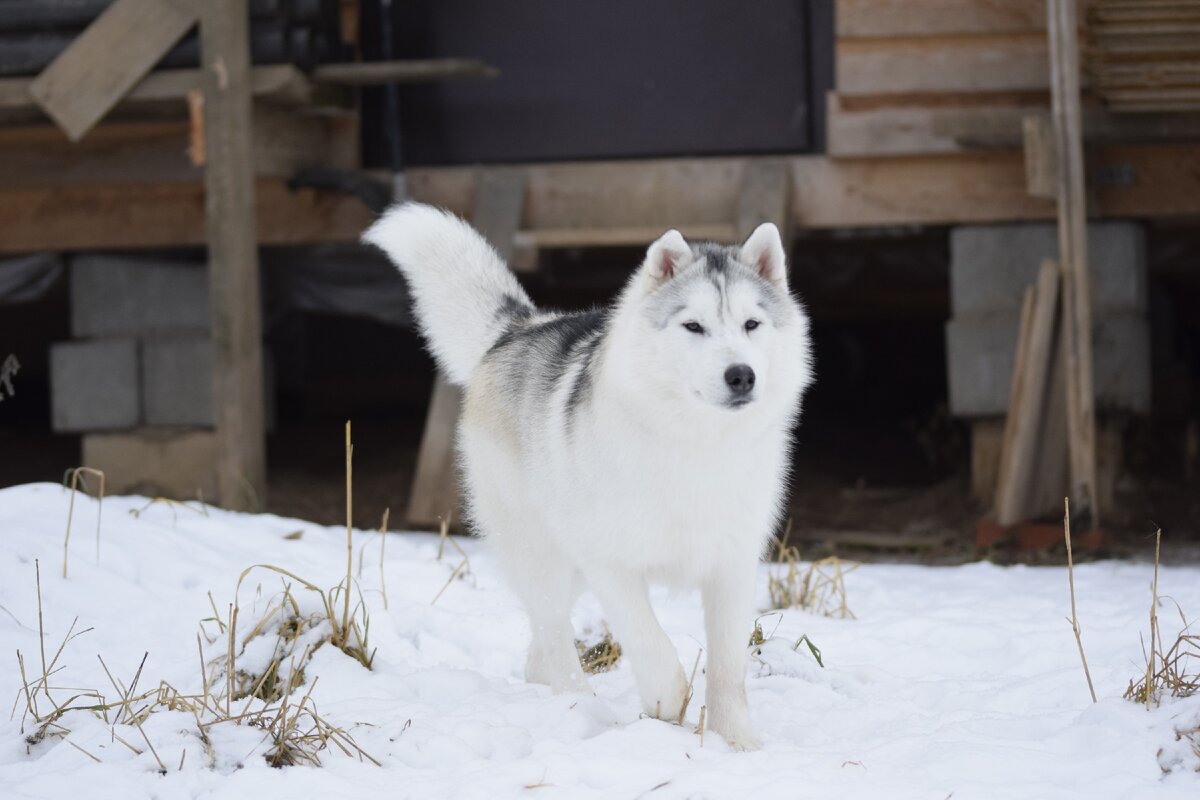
(668, 255)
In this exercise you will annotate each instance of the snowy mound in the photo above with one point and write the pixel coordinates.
(962, 681)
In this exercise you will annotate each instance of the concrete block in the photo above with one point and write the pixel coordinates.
(980, 351)
(990, 265)
(115, 295)
(94, 385)
(177, 380)
(181, 465)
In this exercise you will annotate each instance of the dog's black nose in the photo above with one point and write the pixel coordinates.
(740, 379)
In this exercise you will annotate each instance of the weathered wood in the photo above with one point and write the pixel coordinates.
(499, 200)
(881, 18)
(1028, 403)
(373, 73)
(233, 256)
(1001, 62)
(765, 196)
(1041, 157)
(81, 217)
(158, 151)
(279, 83)
(618, 237)
(107, 59)
(1072, 236)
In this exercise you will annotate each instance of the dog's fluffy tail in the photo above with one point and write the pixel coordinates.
(465, 296)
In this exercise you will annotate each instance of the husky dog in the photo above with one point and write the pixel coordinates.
(648, 442)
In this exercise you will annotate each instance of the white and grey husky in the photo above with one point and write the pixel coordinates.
(648, 442)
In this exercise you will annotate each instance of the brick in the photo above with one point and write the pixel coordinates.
(94, 385)
(181, 465)
(990, 265)
(980, 352)
(123, 296)
(177, 381)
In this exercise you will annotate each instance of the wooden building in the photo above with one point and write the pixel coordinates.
(605, 125)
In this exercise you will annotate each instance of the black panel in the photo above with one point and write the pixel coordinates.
(613, 79)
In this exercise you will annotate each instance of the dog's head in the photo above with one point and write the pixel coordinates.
(721, 328)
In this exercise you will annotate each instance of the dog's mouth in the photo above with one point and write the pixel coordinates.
(739, 402)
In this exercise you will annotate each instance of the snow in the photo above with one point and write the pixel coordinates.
(952, 681)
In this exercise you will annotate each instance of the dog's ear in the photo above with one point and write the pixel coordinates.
(668, 255)
(763, 251)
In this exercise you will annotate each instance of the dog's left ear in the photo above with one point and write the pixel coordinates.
(763, 251)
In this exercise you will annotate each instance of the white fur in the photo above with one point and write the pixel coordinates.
(654, 479)
(454, 276)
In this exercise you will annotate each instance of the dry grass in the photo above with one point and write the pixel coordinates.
(600, 656)
(820, 587)
(460, 572)
(75, 477)
(294, 732)
(1074, 620)
(1172, 671)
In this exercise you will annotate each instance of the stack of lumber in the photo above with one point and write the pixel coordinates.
(936, 76)
(1144, 55)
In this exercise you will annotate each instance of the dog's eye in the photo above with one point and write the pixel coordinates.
(751, 324)
(694, 327)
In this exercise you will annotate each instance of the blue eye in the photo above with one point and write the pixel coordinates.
(694, 327)
(751, 324)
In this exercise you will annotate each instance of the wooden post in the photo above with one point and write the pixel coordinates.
(233, 255)
(1062, 30)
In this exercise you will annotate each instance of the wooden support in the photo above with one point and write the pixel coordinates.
(1041, 157)
(233, 256)
(1072, 244)
(1027, 407)
(765, 197)
(108, 59)
(499, 199)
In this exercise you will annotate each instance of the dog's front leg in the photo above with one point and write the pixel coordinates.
(728, 606)
(625, 597)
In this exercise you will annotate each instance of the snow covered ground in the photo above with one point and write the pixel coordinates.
(961, 682)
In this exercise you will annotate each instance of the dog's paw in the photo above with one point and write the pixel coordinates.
(736, 730)
(666, 699)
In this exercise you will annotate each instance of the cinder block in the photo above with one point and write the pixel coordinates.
(990, 265)
(94, 385)
(181, 465)
(125, 295)
(980, 351)
(177, 381)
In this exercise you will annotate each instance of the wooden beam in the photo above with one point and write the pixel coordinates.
(1029, 401)
(987, 63)
(765, 196)
(117, 153)
(233, 256)
(1041, 157)
(879, 18)
(171, 214)
(279, 83)
(108, 59)
(1072, 245)
(374, 73)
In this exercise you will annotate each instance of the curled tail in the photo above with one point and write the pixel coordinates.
(465, 296)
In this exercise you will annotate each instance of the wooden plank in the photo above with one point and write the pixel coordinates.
(1029, 403)
(106, 60)
(375, 73)
(499, 200)
(765, 196)
(881, 18)
(233, 256)
(1072, 246)
(617, 237)
(279, 83)
(1005, 473)
(117, 153)
(988, 63)
(109, 216)
(1041, 157)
